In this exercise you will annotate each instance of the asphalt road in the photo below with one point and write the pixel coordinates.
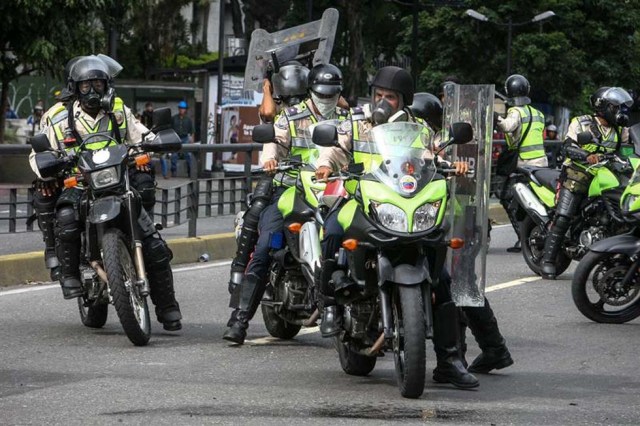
(55, 371)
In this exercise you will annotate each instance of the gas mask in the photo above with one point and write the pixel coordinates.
(615, 116)
(381, 112)
(326, 106)
(91, 93)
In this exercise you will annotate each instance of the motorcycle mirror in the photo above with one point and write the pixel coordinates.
(48, 164)
(165, 141)
(161, 119)
(634, 137)
(584, 138)
(40, 143)
(325, 135)
(461, 133)
(263, 133)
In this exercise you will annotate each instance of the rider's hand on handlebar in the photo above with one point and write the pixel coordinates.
(270, 166)
(323, 173)
(593, 159)
(47, 187)
(462, 167)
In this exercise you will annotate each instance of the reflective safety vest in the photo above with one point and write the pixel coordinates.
(296, 117)
(97, 136)
(532, 146)
(363, 151)
(608, 139)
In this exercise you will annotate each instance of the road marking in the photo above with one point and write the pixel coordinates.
(513, 283)
(206, 266)
(27, 290)
(270, 339)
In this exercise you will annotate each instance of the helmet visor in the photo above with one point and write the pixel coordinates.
(89, 68)
(617, 96)
(113, 65)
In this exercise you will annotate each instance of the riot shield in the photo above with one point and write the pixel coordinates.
(469, 198)
(310, 43)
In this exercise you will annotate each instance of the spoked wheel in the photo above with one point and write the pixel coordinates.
(409, 340)
(92, 315)
(352, 362)
(131, 307)
(532, 238)
(598, 290)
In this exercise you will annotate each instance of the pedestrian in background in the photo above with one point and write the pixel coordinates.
(183, 126)
(147, 115)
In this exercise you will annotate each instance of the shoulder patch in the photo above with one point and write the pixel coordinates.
(357, 110)
(345, 127)
(119, 116)
(281, 122)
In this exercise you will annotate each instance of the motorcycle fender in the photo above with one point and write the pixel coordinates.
(105, 209)
(628, 244)
(402, 274)
(310, 245)
(530, 203)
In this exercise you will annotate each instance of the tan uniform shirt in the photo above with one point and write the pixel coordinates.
(575, 127)
(512, 123)
(133, 135)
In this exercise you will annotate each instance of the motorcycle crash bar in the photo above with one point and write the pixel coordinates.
(313, 319)
(101, 272)
(375, 348)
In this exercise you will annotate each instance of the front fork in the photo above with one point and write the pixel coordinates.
(385, 308)
(142, 282)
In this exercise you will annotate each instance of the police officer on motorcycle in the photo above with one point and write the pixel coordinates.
(96, 117)
(324, 84)
(392, 92)
(523, 128)
(608, 131)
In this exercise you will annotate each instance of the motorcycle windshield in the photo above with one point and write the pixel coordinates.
(401, 156)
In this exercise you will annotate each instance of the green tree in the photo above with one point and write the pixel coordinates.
(41, 35)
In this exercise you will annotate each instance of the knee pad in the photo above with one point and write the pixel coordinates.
(68, 225)
(146, 187)
(156, 252)
(43, 204)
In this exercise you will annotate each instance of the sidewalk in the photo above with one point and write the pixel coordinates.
(21, 256)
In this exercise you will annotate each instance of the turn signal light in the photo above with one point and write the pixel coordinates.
(350, 244)
(295, 227)
(143, 159)
(71, 182)
(456, 243)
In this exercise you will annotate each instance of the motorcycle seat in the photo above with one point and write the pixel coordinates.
(547, 177)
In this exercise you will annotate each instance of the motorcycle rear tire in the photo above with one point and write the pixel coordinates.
(93, 316)
(132, 309)
(409, 339)
(352, 362)
(590, 310)
(277, 326)
(527, 227)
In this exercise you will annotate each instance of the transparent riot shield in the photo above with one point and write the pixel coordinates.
(311, 41)
(469, 198)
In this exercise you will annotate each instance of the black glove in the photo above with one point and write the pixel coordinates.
(46, 187)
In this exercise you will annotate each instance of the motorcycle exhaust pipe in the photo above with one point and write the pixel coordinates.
(375, 348)
(142, 274)
(101, 272)
(311, 322)
(530, 203)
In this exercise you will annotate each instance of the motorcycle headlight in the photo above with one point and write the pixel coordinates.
(104, 178)
(425, 217)
(392, 217)
(627, 204)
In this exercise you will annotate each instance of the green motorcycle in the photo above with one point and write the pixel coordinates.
(600, 217)
(394, 250)
(606, 283)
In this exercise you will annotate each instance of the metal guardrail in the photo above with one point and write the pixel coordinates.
(199, 197)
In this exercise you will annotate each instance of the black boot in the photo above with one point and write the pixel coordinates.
(69, 256)
(157, 259)
(331, 318)
(51, 262)
(552, 246)
(450, 368)
(251, 291)
(484, 326)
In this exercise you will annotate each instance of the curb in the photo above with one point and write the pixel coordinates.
(28, 267)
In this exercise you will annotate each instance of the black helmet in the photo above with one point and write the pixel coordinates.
(611, 103)
(89, 68)
(517, 90)
(429, 108)
(325, 79)
(290, 81)
(396, 79)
